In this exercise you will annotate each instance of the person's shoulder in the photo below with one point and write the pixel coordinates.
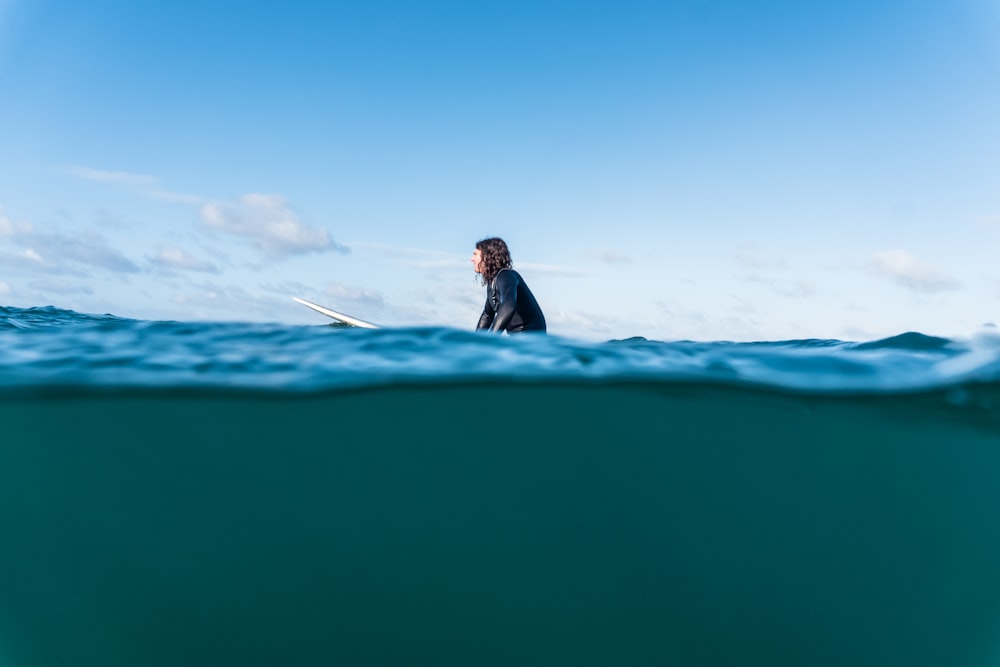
(506, 278)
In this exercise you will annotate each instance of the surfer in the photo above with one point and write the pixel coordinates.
(510, 305)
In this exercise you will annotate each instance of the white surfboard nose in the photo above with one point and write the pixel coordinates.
(346, 319)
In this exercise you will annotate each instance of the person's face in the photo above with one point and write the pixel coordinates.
(477, 261)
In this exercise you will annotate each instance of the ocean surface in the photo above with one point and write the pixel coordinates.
(179, 493)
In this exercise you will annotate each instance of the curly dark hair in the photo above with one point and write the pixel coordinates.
(496, 257)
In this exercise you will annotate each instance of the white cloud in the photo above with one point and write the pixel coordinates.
(267, 221)
(121, 178)
(139, 183)
(32, 256)
(909, 272)
(4, 288)
(22, 261)
(9, 228)
(89, 249)
(270, 224)
(59, 252)
(177, 258)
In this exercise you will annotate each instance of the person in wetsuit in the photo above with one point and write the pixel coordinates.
(510, 305)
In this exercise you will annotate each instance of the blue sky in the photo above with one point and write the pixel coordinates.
(690, 169)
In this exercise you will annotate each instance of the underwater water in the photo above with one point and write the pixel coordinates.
(202, 494)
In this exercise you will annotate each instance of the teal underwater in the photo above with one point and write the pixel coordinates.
(176, 493)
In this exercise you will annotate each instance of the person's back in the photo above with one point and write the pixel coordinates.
(510, 305)
(513, 306)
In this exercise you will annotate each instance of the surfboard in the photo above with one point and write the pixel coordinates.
(340, 317)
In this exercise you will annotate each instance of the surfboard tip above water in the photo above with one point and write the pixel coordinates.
(333, 314)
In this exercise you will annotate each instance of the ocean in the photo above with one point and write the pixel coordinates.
(180, 493)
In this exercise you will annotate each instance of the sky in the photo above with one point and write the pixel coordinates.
(678, 169)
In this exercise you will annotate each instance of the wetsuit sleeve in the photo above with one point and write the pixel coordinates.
(486, 319)
(506, 284)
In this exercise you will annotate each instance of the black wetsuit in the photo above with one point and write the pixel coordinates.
(510, 306)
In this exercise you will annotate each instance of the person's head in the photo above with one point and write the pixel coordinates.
(490, 256)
